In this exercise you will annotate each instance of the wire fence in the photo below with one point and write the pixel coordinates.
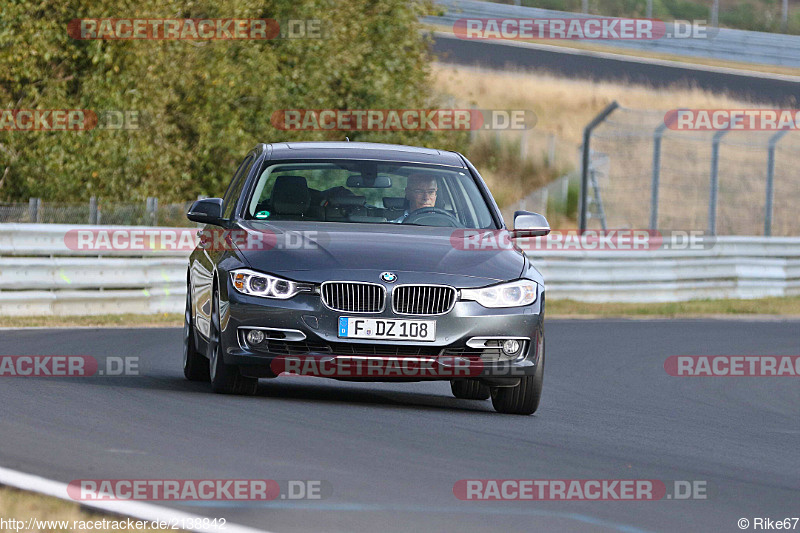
(641, 174)
(727, 182)
(148, 213)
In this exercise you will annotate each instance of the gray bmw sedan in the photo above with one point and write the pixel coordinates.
(364, 262)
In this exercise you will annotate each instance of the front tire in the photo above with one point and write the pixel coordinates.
(225, 378)
(195, 364)
(524, 398)
(469, 389)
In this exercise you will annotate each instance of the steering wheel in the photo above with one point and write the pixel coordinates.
(432, 216)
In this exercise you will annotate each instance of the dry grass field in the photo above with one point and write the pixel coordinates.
(625, 147)
(27, 506)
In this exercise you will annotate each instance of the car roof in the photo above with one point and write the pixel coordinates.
(363, 150)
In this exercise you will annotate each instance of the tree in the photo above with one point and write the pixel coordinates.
(201, 104)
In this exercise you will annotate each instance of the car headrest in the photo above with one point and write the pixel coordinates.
(393, 202)
(290, 195)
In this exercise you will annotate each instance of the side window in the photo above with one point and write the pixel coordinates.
(235, 188)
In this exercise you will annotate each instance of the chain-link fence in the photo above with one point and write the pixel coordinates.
(148, 213)
(642, 174)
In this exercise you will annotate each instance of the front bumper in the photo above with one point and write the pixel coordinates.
(448, 357)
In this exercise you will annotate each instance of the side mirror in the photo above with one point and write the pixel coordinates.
(206, 211)
(527, 224)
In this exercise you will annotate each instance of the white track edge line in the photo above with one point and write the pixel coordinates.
(138, 510)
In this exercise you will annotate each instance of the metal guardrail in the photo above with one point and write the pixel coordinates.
(728, 44)
(734, 267)
(40, 275)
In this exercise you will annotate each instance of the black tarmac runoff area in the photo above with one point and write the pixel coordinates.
(578, 64)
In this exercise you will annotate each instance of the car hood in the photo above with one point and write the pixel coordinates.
(317, 252)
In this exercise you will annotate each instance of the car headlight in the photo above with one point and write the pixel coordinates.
(258, 284)
(512, 294)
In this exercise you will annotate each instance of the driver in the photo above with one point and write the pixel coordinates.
(421, 192)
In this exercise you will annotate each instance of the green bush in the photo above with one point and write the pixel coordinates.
(203, 104)
(509, 175)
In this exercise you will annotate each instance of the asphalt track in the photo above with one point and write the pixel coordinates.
(392, 452)
(579, 64)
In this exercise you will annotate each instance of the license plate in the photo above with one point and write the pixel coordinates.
(387, 328)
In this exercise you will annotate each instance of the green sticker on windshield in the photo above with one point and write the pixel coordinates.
(262, 214)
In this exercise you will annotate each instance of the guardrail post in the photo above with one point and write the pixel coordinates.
(712, 196)
(587, 134)
(654, 186)
(770, 180)
(35, 209)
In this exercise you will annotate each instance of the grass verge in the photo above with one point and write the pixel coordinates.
(788, 307)
(23, 506)
(127, 320)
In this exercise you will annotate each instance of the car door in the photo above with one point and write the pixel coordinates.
(207, 255)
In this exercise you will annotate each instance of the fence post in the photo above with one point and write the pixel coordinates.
(551, 150)
(35, 210)
(587, 134)
(472, 132)
(654, 186)
(93, 210)
(784, 16)
(151, 210)
(712, 196)
(770, 181)
(715, 14)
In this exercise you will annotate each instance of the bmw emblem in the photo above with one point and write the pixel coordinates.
(389, 277)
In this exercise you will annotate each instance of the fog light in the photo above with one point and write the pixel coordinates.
(510, 347)
(255, 336)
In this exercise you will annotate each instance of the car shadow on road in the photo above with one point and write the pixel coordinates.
(363, 393)
(299, 390)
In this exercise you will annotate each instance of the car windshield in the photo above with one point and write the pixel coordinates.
(369, 192)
